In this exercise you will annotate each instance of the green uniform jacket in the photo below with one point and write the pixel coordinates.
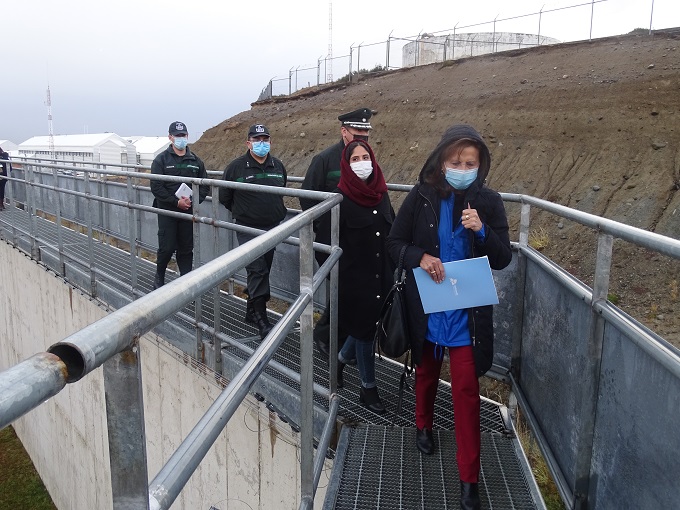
(169, 163)
(254, 208)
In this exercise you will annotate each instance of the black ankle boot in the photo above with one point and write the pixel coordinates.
(262, 323)
(424, 441)
(370, 399)
(158, 281)
(250, 312)
(321, 342)
(260, 317)
(341, 368)
(469, 496)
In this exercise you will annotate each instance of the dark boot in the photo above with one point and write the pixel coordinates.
(260, 317)
(321, 339)
(370, 399)
(159, 280)
(250, 312)
(424, 441)
(469, 496)
(341, 367)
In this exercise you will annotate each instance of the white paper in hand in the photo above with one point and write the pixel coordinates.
(183, 191)
(467, 283)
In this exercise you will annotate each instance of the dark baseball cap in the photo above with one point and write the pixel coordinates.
(258, 130)
(178, 128)
(358, 119)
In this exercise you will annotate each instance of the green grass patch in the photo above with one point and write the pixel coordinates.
(20, 486)
(546, 484)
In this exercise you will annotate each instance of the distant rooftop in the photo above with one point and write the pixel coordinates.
(89, 140)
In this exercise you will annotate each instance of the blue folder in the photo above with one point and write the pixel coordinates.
(467, 283)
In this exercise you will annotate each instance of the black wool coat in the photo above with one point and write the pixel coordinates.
(416, 227)
(366, 270)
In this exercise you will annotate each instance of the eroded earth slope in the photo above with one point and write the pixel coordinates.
(591, 125)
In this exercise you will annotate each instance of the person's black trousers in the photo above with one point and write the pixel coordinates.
(3, 183)
(257, 271)
(175, 235)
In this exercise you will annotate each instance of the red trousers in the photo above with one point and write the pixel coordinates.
(466, 403)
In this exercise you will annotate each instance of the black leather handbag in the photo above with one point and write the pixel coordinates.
(392, 333)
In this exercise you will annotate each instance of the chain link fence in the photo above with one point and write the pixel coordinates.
(499, 34)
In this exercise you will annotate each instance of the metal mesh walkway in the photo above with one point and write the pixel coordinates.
(380, 467)
(377, 465)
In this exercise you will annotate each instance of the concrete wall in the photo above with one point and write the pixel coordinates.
(253, 464)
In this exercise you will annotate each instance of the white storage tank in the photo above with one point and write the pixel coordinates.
(429, 49)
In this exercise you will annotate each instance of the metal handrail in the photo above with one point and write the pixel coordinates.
(666, 245)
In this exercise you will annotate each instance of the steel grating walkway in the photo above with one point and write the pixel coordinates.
(377, 465)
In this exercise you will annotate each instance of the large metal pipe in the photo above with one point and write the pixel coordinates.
(28, 384)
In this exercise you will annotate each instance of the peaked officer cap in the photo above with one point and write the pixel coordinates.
(358, 119)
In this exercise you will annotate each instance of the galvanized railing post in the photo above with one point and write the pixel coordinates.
(516, 353)
(590, 384)
(132, 238)
(196, 262)
(306, 367)
(30, 206)
(524, 222)
(101, 185)
(217, 313)
(90, 240)
(9, 188)
(40, 197)
(60, 235)
(125, 424)
(333, 303)
(138, 215)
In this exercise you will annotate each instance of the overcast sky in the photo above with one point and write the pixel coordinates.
(132, 67)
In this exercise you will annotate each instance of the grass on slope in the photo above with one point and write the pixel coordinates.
(20, 485)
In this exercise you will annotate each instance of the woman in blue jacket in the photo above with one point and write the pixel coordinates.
(450, 215)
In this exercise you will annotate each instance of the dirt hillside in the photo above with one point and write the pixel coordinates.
(591, 125)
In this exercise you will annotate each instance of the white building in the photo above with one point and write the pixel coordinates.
(148, 147)
(97, 148)
(8, 146)
(429, 49)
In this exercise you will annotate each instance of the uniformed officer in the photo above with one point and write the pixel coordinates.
(323, 174)
(175, 235)
(259, 210)
(5, 166)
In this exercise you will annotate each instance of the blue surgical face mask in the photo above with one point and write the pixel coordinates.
(461, 179)
(180, 142)
(260, 149)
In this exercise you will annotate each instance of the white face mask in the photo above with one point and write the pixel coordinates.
(363, 169)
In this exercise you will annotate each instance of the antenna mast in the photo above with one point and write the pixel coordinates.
(49, 121)
(329, 75)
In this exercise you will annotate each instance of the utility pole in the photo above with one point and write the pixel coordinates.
(329, 73)
(48, 102)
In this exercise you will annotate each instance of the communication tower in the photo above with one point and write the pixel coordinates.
(48, 102)
(329, 73)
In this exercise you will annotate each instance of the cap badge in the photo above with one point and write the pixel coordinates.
(179, 126)
(259, 128)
